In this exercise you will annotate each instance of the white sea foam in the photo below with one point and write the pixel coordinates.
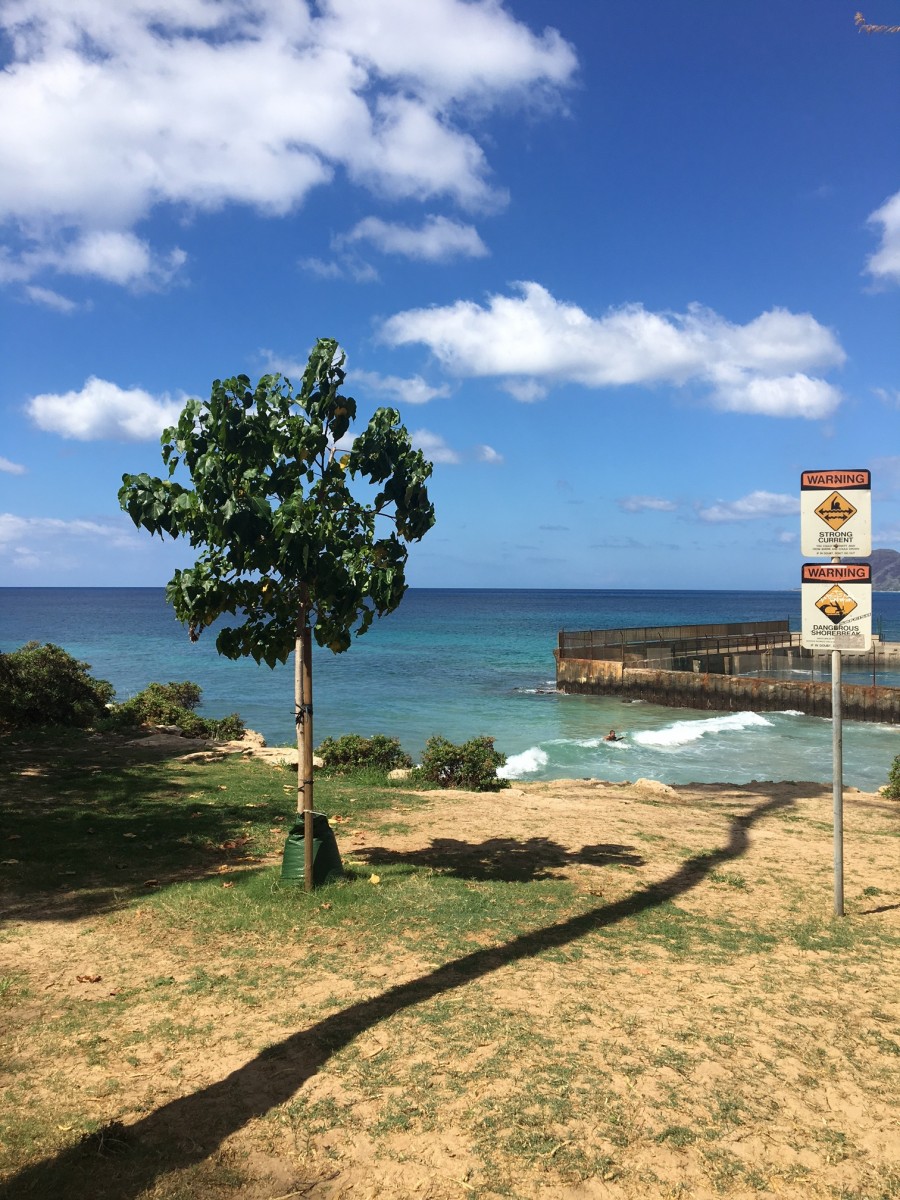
(681, 733)
(790, 712)
(525, 763)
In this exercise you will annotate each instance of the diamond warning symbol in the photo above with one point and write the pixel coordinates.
(836, 604)
(835, 510)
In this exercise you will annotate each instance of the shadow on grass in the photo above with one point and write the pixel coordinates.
(88, 825)
(504, 859)
(186, 1131)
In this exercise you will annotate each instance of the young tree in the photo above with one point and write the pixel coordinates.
(287, 545)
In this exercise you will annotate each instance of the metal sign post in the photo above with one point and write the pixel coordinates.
(837, 755)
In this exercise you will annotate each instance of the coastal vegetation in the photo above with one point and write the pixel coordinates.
(173, 704)
(472, 765)
(892, 788)
(586, 987)
(352, 752)
(44, 685)
(286, 543)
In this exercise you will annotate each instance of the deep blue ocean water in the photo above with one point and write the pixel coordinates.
(468, 662)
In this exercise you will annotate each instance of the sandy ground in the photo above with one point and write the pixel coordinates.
(730, 1067)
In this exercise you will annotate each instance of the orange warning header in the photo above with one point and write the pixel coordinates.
(837, 573)
(835, 479)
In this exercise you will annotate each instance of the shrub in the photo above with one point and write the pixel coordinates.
(892, 787)
(353, 753)
(174, 704)
(472, 765)
(43, 685)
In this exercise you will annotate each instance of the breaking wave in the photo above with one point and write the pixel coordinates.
(525, 763)
(682, 733)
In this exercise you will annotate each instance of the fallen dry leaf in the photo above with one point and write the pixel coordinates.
(374, 879)
(88, 978)
(151, 883)
(8, 862)
(228, 883)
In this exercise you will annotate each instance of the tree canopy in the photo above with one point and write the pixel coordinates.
(280, 510)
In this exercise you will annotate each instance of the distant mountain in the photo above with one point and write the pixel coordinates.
(885, 570)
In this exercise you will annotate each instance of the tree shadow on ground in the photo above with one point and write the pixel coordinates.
(503, 859)
(86, 825)
(188, 1130)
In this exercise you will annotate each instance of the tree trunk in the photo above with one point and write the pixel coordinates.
(304, 718)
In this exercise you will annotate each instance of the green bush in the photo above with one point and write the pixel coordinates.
(174, 704)
(892, 787)
(353, 753)
(43, 685)
(472, 765)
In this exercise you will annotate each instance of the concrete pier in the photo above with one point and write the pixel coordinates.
(707, 667)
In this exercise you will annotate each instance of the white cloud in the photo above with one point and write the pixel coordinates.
(118, 258)
(760, 367)
(887, 538)
(277, 364)
(11, 468)
(633, 504)
(487, 454)
(526, 391)
(21, 534)
(752, 507)
(55, 545)
(434, 447)
(124, 107)
(795, 395)
(346, 266)
(446, 49)
(412, 390)
(110, 255)
(50, 299)
(885, 262)
(437, 240)
(889, 396)
(104, 410)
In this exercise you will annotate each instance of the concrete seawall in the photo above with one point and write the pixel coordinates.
(735, 693)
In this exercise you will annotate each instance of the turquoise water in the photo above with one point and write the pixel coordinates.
(468, 662)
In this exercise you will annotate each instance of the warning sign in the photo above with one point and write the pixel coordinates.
(836, 513)
(837, 606)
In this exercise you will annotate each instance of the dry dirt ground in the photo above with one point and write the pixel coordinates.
(693, 1024)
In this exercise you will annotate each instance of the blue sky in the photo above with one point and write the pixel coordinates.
(626, 270)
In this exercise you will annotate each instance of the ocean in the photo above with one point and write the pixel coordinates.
(463, 663)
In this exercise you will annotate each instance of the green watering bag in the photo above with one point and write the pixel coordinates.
(326, 856)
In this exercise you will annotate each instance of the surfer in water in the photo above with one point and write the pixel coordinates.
(612, 736)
